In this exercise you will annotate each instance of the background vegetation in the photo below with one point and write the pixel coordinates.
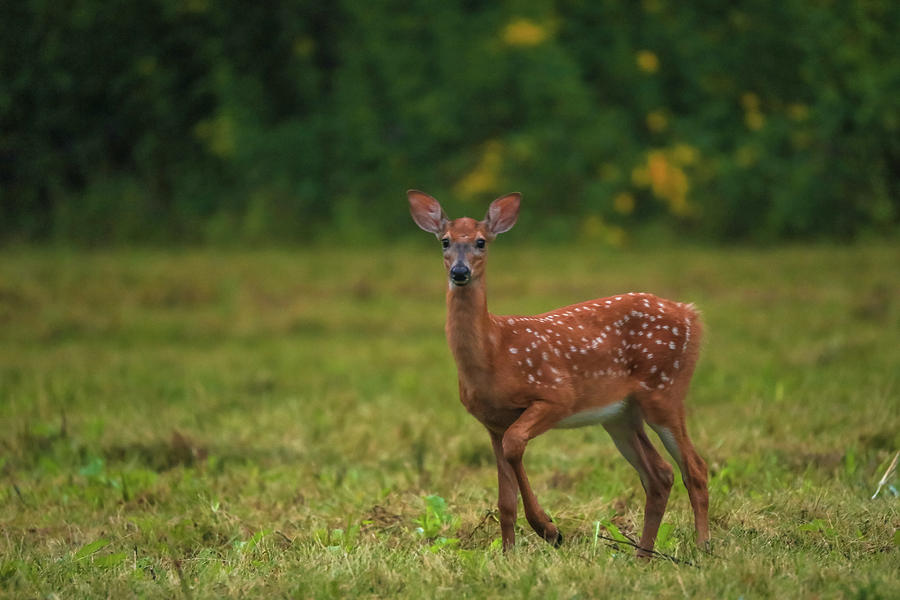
(274, 424)
(201, 120)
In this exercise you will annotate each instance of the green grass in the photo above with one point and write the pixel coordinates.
(285, 424)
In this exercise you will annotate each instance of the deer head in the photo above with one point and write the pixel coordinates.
(464, 240)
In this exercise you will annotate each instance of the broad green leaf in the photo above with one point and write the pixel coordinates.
(110, 560)
(614, 531)
(664, 537)
(90, 548)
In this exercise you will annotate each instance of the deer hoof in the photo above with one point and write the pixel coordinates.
(559, 540)
(553, 536)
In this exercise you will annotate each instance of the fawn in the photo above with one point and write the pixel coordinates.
(617, 361)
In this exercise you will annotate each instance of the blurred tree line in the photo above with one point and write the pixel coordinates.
(215, 120)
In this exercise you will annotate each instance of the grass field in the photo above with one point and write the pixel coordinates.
(285, 424)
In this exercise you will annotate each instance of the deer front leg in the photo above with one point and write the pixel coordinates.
(508, 494)
(537, 418)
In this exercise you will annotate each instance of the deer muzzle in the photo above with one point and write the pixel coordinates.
(460, 274)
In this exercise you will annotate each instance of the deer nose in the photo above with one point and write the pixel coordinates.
(460, 274)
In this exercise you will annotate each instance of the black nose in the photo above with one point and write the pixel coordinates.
(460, 274)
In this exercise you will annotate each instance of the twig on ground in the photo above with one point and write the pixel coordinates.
(284, 537)
(488, 515)
(887, 475)
(678, 561)
(19, 494)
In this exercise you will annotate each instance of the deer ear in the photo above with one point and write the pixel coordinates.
(503, 212)
(426, 212)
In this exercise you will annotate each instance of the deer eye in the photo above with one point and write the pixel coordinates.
(479, 243)
(445, 243)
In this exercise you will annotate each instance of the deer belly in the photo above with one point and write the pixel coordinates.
(592, 416)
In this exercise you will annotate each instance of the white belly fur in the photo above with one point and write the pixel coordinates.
(592, 416)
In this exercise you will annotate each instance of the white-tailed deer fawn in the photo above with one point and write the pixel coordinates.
(617, 361)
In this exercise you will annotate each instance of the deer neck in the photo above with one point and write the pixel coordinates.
(470, 330)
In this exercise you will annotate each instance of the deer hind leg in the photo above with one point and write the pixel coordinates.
(670, 426)
(693, 474)
(655, 473)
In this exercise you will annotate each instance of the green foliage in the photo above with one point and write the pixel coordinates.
(664, 540)
(614, 531)
(197, 121)
(436, 517)
(435, 520)
(90, 548)
(216, 423)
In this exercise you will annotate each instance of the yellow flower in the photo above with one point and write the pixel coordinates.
(194, 6)
(684, 154)
(218, 135)
(664, 174)
(668, 182)
(754, 120)
(483, 178)
(304, 46)
(640, 176)
(595, 228)
(801, 139)
(524, 32)
(746, 156)
(647, 61)
(624, 203)
(657, 121)
(750, 101)
(798, 112)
